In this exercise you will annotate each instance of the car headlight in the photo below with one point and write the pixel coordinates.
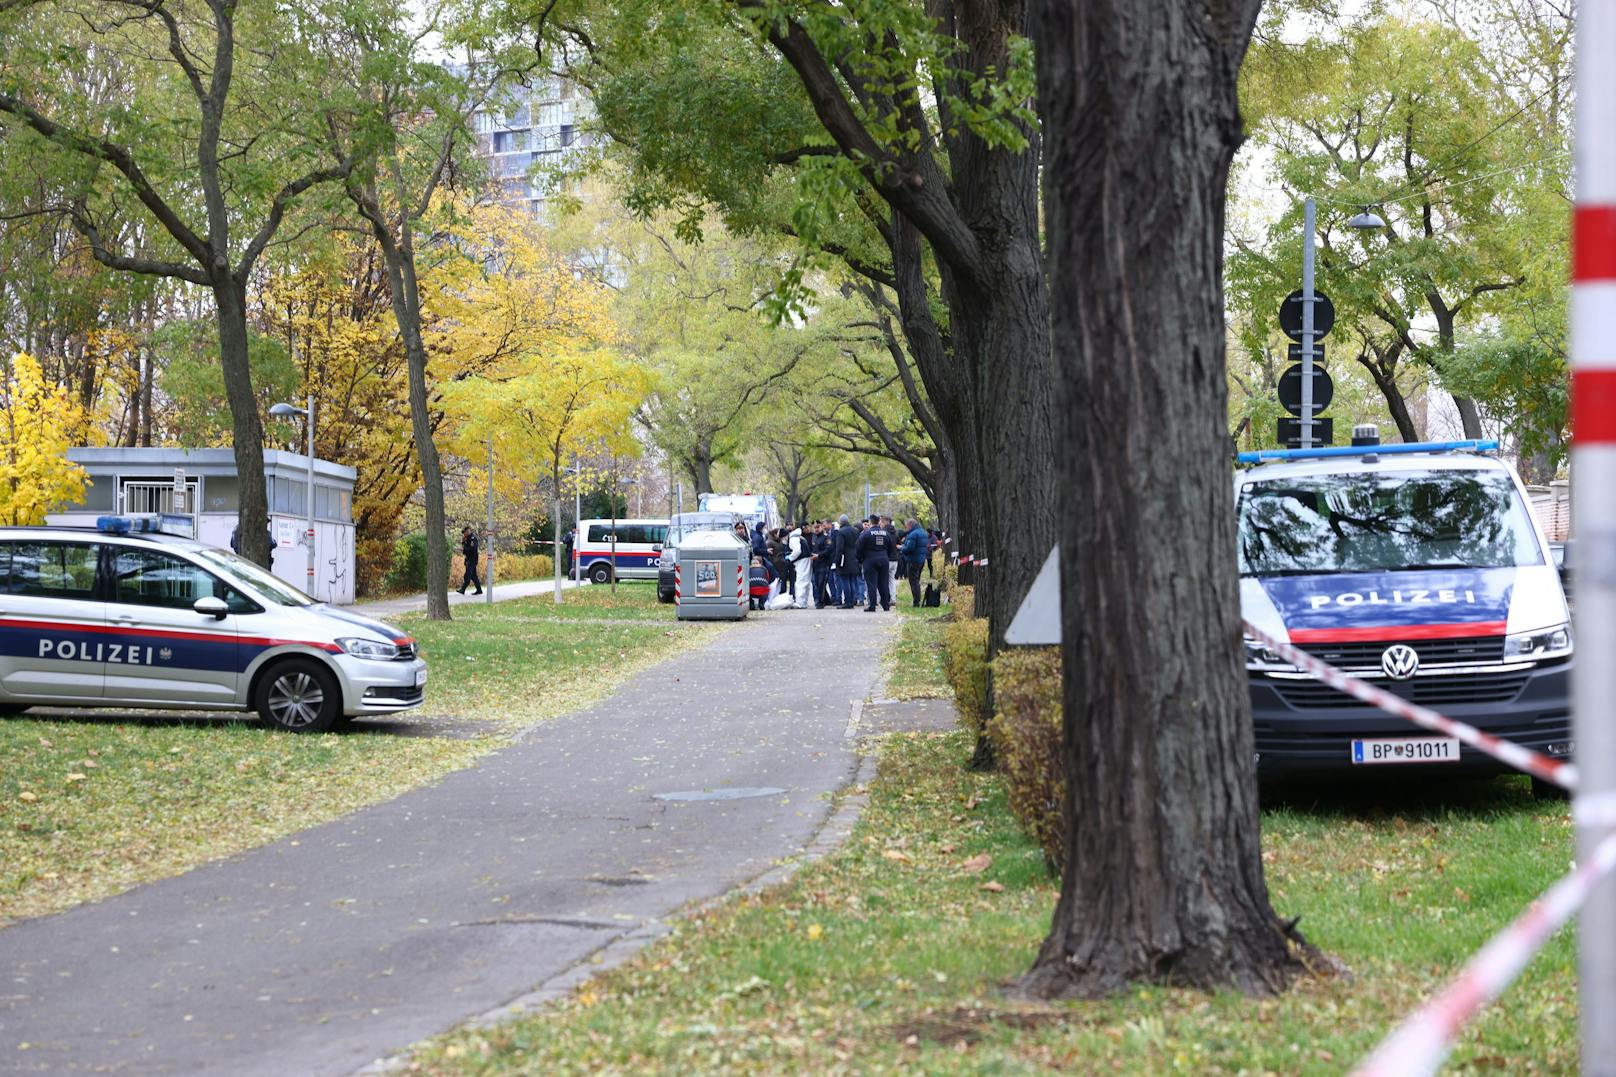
(1547, 643)
(1260, 656)
(369, 648)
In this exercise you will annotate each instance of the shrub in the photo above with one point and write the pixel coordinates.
(511, 566)
(965, 664)
(408, 572)
(961, 602)
(1026, 735)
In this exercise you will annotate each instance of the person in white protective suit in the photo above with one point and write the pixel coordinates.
(800, 554)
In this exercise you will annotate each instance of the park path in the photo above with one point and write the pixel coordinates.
(384, 608)
(342, 944)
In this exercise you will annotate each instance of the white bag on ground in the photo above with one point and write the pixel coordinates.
(780, 600)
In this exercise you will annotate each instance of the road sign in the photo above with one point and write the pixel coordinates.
(1290, 315)
(1290, 433)
(1293, 352)
(1290, 390)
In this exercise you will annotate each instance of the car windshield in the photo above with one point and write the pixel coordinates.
(270, 586)
(1384, 522)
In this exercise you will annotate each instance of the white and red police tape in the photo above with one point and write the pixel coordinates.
(1537, 764)
(1420, 1043)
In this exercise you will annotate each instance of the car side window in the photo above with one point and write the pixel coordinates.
(155, 578)
(50, 569)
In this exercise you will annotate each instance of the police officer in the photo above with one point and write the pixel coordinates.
(468, 550)
(876, 549)
(844, 556)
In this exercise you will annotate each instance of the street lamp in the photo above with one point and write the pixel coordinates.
(1363, 221)
(287, 411)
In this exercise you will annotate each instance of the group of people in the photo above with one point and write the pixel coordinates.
(843, 564)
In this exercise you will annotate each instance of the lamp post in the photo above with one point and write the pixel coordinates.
(287, 411)
(1310, 212)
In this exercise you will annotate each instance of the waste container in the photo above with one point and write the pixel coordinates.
(709, 577)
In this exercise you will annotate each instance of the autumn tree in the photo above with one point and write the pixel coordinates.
(895, 138)
(41, 422)
(216, 148)
(1163, 876)
(1415, 121)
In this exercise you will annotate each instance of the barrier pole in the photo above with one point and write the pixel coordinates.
(1593, 516)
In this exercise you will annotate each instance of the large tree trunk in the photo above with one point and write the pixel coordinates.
(437, 541)
(230, 298)
(1163, 879)
(1469, 416)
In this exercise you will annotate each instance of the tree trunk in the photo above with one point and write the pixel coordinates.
(230, 299)
(147, 376)
(437, 542)
(1163, 879)
(1469, 416)
(701, 469)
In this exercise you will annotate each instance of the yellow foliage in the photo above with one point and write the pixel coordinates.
(40, 423)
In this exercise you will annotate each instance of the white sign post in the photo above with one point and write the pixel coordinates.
(1593, 514)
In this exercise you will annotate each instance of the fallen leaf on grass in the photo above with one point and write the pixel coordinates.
(26, 797)
(992, 887)
(895, 854)
(977, 864)
(815, 931)
(75, 777)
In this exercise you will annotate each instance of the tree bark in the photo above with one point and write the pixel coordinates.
(230, 301)
(1163, 880)
(1469, 416)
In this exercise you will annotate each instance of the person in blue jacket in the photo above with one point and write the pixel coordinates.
(912, 554)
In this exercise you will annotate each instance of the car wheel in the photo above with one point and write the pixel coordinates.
(299, 695)
(600, 573)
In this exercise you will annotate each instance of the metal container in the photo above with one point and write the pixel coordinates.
(709, 577)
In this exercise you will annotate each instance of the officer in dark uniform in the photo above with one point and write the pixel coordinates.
(844, 555)
(468, 550)
(876, 549)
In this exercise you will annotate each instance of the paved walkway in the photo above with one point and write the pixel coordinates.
(502, 592)
(345, 943)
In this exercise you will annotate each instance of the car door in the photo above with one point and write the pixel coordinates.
(170, 653)
(52, 621)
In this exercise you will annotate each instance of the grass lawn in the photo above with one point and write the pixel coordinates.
(892, 954)
(92, 803)
(914, 666)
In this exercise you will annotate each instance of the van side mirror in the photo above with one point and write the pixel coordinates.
(211, 606)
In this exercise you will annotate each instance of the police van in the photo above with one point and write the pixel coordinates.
(127, 616)
(1419, 568)
(628, 549)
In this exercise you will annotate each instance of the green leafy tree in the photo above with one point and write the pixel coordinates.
(216, 146)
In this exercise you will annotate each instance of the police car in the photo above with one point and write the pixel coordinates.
(1419, 568)
(125, 616)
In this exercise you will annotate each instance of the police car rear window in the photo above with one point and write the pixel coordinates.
(48, 569)
(1386, 521)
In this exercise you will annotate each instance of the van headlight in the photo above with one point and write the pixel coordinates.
(369, 648)
(1546, 643)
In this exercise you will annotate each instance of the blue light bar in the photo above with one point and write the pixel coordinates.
(112, 525)
(1270, 455)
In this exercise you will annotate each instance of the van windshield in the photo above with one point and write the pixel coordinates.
(272, 587)
(1384, 522)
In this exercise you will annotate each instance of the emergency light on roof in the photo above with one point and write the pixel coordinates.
(163, 524)
(1274, 455)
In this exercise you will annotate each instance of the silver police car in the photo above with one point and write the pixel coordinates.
(120, 617)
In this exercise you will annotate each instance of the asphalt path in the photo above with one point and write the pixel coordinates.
(345, 943)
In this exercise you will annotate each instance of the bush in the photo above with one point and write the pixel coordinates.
(408, 572)
(961, 602)
(511, 566)
(1026, 736)
(965, 664)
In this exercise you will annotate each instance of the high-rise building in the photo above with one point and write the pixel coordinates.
(531, 132)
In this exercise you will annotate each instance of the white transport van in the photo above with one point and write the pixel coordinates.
(1418, 568)
(628, 549)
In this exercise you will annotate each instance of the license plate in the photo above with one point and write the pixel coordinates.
(1406, 750)
(420, 678)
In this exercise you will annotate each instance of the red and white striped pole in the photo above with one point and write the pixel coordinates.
(1593, 513)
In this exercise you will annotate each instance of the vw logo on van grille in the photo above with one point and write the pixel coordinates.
(1400, 661)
